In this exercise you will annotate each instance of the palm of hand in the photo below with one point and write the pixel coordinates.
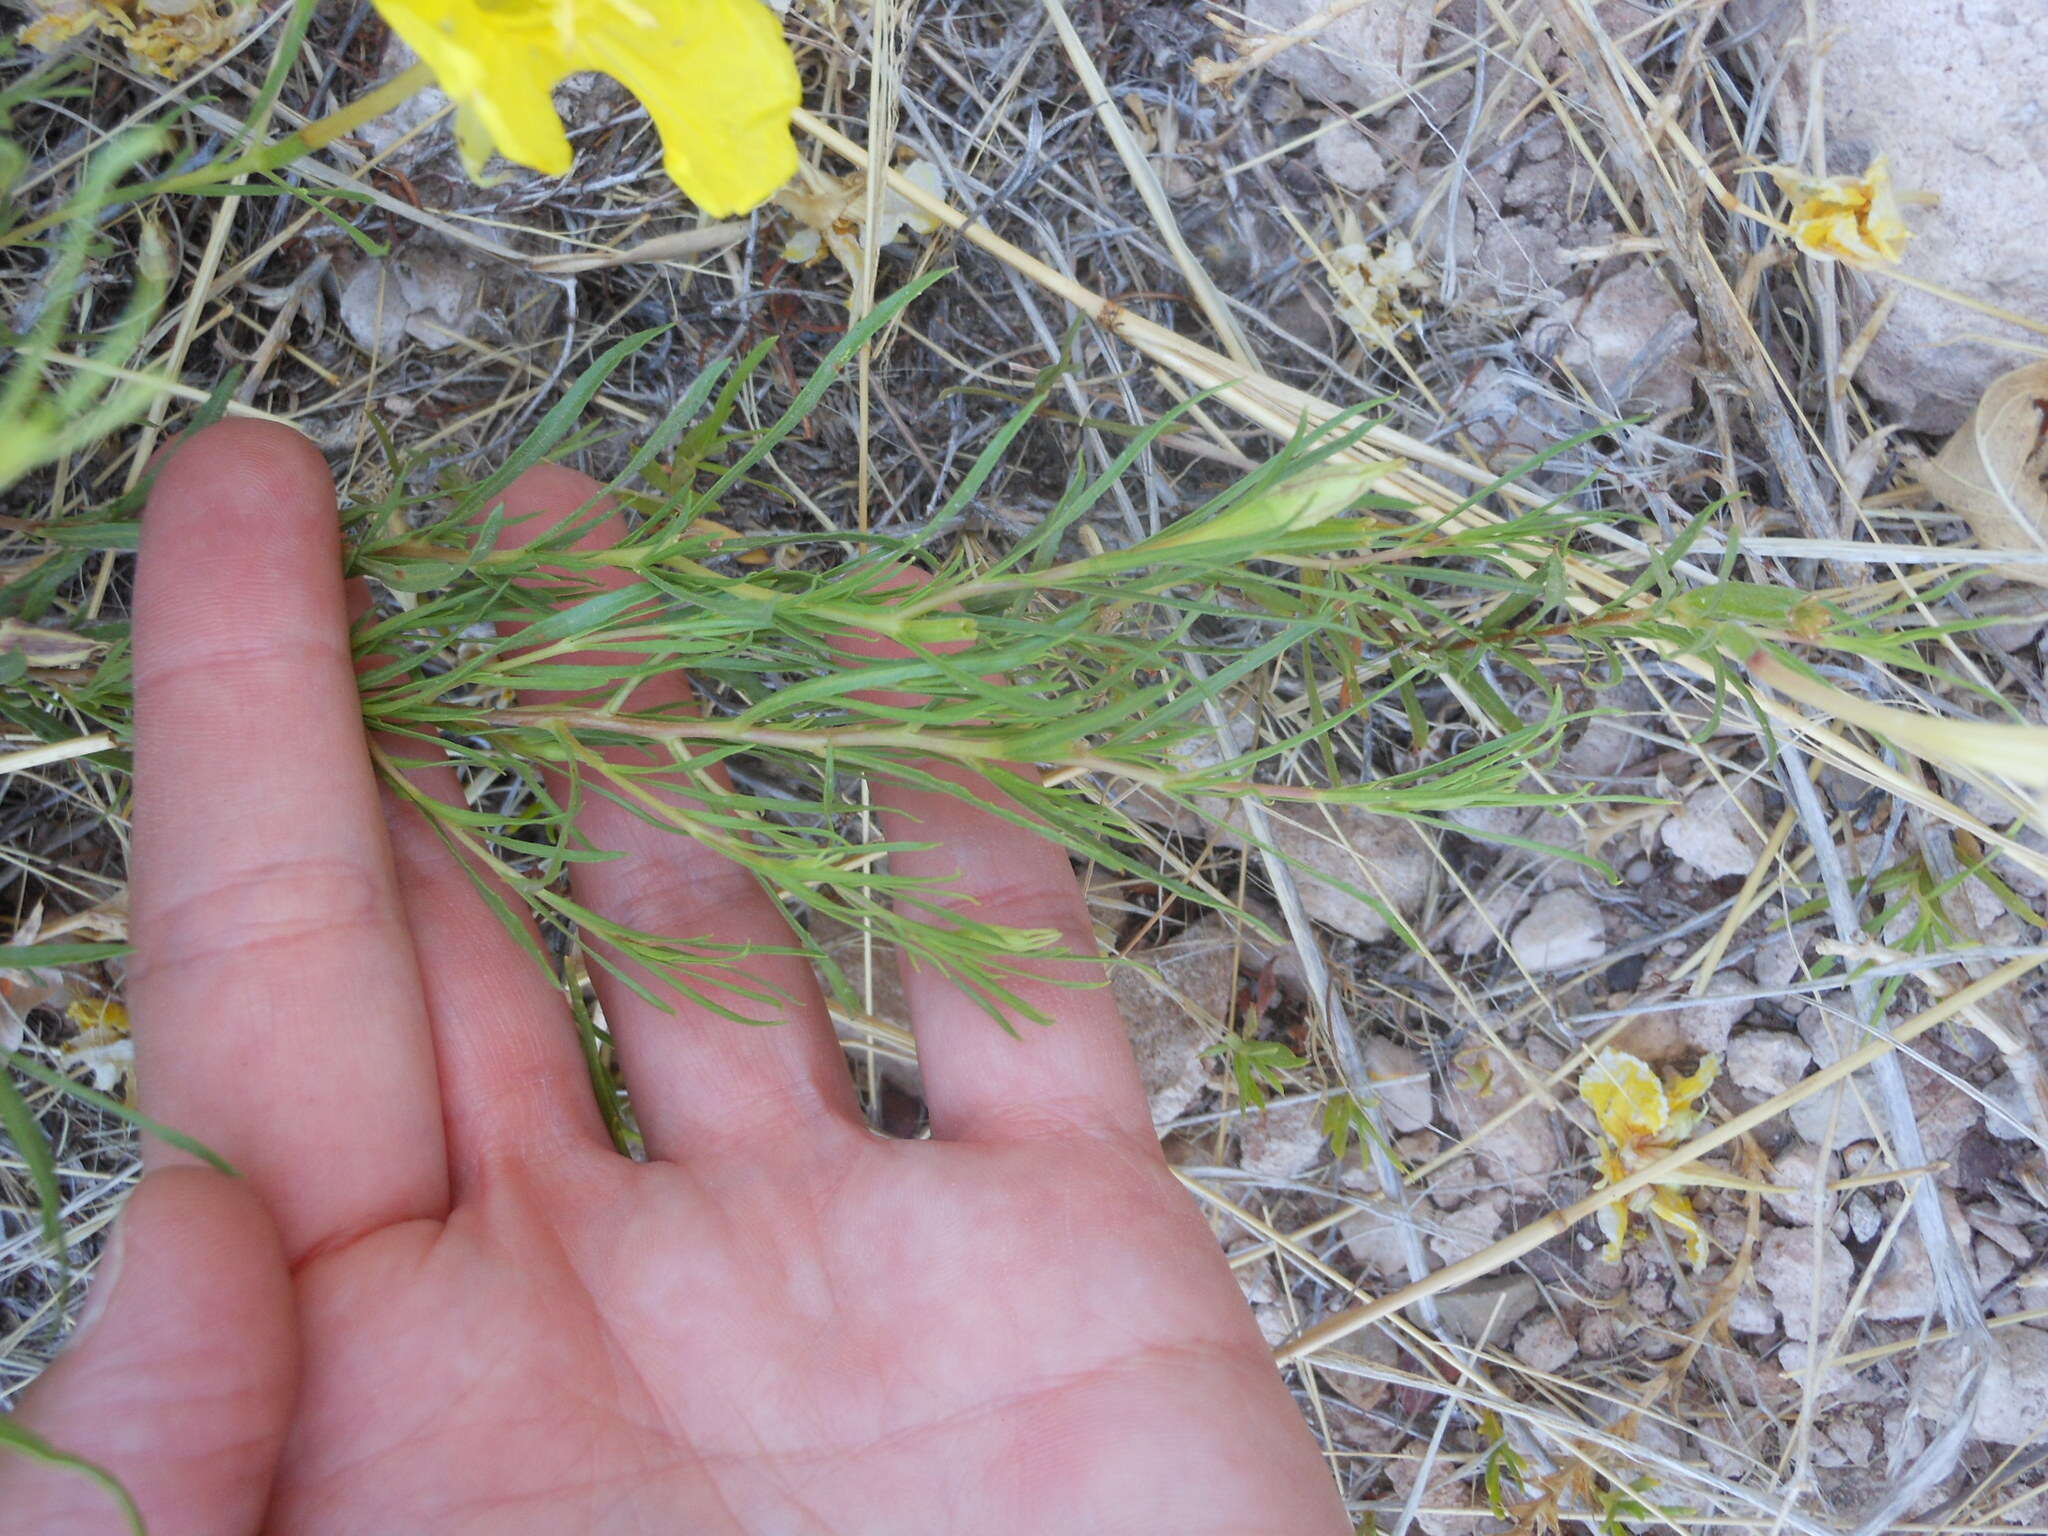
(439, 1301)
(861, 1337)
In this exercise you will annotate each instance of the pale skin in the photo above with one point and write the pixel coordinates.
(437, 1300)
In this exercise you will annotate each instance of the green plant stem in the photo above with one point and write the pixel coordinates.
(269, 157)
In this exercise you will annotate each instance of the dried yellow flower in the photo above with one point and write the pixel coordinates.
(716, 76)
(1846, 218)
(165, 37)
(1370, 284)
(1642, 1118)
(101, 1045)
(834, 217)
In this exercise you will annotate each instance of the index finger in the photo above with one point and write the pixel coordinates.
(279, 1015)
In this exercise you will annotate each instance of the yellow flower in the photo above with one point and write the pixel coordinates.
(1642, 1119)
(715, 75)
(1848, 218)
(99, 1016)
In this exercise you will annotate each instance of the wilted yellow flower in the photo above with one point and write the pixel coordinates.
(834, 217)
(1643, 1118)
(1849, 218)
(101, 1045)
(715, 75)
(1370, 283)
(165, 37)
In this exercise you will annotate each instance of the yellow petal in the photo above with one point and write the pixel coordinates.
(1625, 1096)
(500, 70)
(1670, 1206)
(1614, 1221)
(716, 76)
(718, 80)
(98, 1014)
(1686, 1092)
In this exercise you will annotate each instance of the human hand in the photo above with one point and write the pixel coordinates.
(439, 1301)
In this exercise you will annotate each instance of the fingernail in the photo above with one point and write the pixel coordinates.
(106, 1274)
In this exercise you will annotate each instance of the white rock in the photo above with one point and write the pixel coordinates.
(1459, 1234)
(1373, 1238)
(1545, 1344)
(1629, 342)
(1400, 1077)
(1767, 1061)
(1945, 1111)
(1707, 1022)
(423, 292)
(1904, 1290)
(1848, 1443)
(1609, 742)
(1177, 1013)
(1711, 832)
(1375, 1346)
(1451, 1504)
(1563, 930)
(1263, 1295)
(1865, 1219)
(1844, 1109)
(1751, 1313)
(403, 138)
(1799, 1359)
(1480, 926)
(2012, 1407)
(1798, 1169)
(1348, 157)
(1281, 1142)
(2012, 1117)
(1976, 138)
(1807, 1294)
(1519, 263)
(1994, 1265)
(1510, 417)
(1362, 57)
(1487, 1309)
(2002, 1234)
(1520, 1152)
(1329, 847)
(1776, 960)
(1695, 1027)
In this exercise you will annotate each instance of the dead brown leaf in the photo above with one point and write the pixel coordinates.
(45, 647)
(1992, 471)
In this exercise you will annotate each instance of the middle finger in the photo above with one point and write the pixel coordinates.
(698, 1078)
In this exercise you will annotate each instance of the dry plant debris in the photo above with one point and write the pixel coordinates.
(1994, 470)
(166, 37)
(1685, 857)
